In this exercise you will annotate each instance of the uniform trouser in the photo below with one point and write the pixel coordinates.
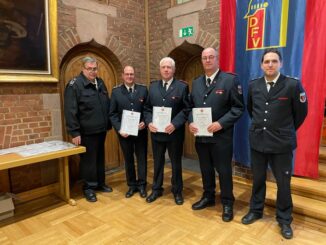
(175, 149)
(281, 165)
(91, 167)
(213, 156)
(137, 145)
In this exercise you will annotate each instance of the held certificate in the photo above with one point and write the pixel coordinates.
(161, 117)
(129, 122)
(202, 119)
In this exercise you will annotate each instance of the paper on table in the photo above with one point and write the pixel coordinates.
(130, 122)
(202, 119)
(161, 117)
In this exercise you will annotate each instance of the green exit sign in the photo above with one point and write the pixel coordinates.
(186, 31)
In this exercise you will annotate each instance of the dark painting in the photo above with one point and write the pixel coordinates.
(23, 36)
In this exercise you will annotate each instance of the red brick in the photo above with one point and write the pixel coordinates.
(32, 119)
(4, 110)
(33, 136)
(27, 131)
(18, 132)
(41, 130)
(33, 125)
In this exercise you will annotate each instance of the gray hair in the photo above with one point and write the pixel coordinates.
(88, 59)
(169, 59)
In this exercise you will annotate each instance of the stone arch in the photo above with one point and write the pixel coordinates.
(206, 39)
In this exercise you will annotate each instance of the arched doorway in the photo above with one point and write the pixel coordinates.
(188, 67)
(109, 68)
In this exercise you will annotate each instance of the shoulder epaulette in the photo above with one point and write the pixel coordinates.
(141, 84)
(154, 81)
(72, 81)
(117, 86)
(295, 78)
(232, 73)
(183, 81)
(257, 78)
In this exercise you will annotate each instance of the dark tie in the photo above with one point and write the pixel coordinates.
(208, 82)
(130, 90)
(271, 84)
(165, 86)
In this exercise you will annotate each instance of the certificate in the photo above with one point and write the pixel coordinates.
(202, 119)
(130, 122)
(161, 117)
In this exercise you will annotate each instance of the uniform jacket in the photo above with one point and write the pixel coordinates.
(86, 108)
(224, 96)
(175, 97)
(122, 100)
(276, 115)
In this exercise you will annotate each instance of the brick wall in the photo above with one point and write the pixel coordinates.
(125, 36)
(162, 39)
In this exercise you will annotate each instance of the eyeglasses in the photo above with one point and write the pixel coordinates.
(89, 69)
(129, 74)
(211, 57)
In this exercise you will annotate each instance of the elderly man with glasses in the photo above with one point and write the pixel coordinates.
(86, 108)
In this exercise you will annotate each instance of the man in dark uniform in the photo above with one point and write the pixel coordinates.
(278, 106)
(222, 93)
(167, 93)
(132, 97)
(86, 108)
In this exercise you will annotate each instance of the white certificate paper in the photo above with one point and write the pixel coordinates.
(161, 117)
(202, 119)
(129, 122)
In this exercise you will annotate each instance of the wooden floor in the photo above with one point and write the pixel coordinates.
(117, 220)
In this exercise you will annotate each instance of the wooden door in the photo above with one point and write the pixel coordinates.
(192, 70)
(113, 155)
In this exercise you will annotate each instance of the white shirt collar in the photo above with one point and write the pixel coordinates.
(213, 75)
(132, 87)
(274, 80)
(169, 83)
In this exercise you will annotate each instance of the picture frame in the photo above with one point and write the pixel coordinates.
(28, 41)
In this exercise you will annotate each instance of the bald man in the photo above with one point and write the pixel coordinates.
(222, 93)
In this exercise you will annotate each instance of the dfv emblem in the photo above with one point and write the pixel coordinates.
(267, 23)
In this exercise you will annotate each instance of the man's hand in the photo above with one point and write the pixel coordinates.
(123, 134)
(76, 140)
(141, 125)
(152, 128)
(214, 127)
(193, 129)
(170, 128)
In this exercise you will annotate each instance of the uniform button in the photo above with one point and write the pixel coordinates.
(264, 128)
(265, 119)
(131, 103)
(204, 103)
(205, 95)
(163, 99)
(266, 103)
(266, 111)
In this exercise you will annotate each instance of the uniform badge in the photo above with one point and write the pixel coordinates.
(239, 89)
(141, 99)
(219, 91)
(303, 97)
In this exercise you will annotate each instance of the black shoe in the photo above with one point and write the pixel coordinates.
(153, 196)
(104, 188)
(204, 202)
(131, 192)
(286, 231)
(142, 191)
(178, 199)
(90, 195)
(227, 215)
(250, 218)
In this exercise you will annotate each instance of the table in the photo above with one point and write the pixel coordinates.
(13, 160)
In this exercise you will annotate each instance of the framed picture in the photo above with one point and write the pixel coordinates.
(28, 41)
